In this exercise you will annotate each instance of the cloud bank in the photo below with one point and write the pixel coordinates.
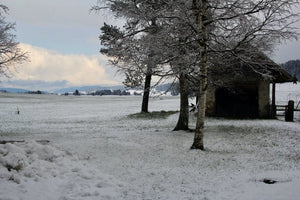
(47, 67)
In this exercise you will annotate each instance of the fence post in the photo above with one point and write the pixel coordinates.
(289, 113)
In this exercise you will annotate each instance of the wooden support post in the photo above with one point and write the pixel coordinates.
(289, 113)
(273, 106)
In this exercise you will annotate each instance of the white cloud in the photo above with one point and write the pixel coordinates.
(51, 66)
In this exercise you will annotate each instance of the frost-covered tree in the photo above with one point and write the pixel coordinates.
(149, 42)
(182, 66)
(215, 32)
(131, 48)
(225, 26)
(10, 52)
(133, 55)
(233, 30)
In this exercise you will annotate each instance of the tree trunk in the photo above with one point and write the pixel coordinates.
(183, 121)
(199, 131)
(146, 93)
(200, 10)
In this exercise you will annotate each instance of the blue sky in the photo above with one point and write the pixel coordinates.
(62, 39)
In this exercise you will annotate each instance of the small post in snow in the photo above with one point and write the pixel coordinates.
(289, 113)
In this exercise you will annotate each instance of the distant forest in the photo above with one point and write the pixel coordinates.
(293, 67)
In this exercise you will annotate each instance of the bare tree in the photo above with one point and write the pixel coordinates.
(10, 53)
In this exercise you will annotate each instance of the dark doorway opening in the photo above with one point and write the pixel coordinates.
(237, 102)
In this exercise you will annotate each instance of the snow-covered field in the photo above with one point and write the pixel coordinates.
(96, 152)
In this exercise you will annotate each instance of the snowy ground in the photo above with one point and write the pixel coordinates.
(97, 152)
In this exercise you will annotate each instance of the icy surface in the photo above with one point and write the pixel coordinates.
(97, 152)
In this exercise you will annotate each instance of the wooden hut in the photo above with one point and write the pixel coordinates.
(240, 90)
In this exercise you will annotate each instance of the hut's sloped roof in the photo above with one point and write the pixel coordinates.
(248, 67)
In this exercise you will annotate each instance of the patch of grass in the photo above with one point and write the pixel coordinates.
(152, 115)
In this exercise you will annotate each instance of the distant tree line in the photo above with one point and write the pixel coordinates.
(110, 92)
(292, 67)
(102, 92)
